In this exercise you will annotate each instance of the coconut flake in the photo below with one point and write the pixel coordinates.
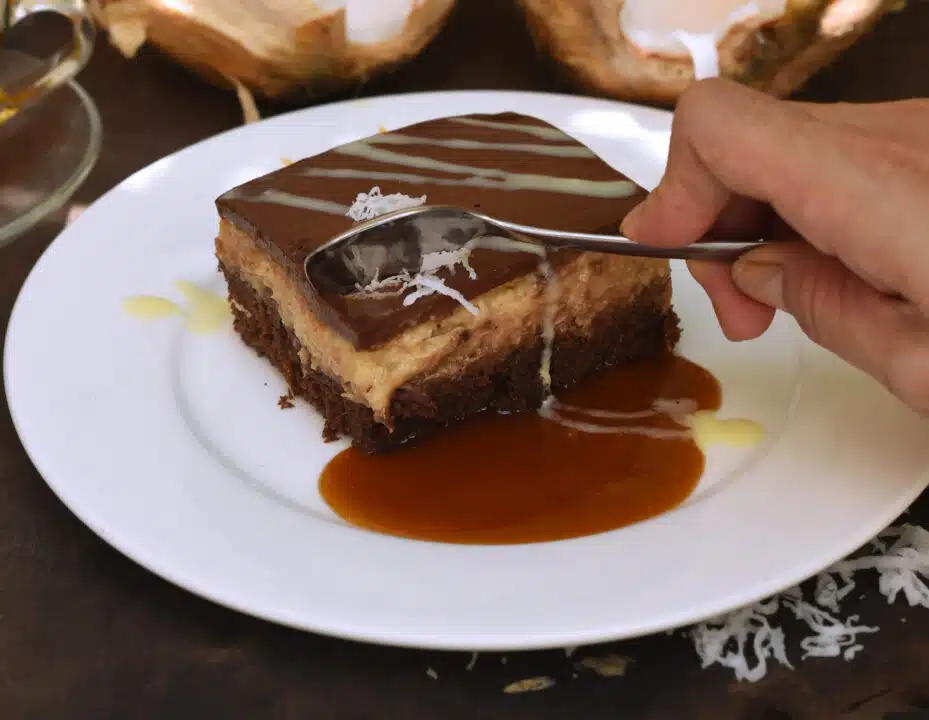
(725, 640)
(429, 284)
(902, 567)
(432, 262)
(472, 662)
(831, 636)
(370, 205)
(246, 100)
(426, 282)
(746, 639)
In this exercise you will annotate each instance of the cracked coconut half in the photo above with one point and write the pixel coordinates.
(652, 50)
(277, 47)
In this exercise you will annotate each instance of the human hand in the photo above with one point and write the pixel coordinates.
(846, 187)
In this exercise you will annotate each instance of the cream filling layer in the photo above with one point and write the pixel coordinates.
(509, 316)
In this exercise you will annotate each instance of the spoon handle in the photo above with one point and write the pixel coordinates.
(619, 245)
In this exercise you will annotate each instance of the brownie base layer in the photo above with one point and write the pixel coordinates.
(421, 407)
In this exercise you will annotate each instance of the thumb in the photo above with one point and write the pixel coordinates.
(883, 336)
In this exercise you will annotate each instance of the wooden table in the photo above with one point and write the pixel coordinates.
(85, 633)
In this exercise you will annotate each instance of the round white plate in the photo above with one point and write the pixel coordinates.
(172, 448)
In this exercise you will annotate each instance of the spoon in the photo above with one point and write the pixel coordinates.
(395, 242)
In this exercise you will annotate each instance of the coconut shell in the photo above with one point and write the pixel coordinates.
(258, 44)
(777, 56)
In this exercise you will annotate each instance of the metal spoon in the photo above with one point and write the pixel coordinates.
(395, 242)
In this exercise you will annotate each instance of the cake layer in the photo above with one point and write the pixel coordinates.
(591, 290)
(457, 385)
(508, 166)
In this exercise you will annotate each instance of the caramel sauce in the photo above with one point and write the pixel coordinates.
(506, 479)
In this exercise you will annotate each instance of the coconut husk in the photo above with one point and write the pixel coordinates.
(274, 48)
(776, 56)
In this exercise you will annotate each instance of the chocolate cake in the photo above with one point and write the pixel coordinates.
(384, 371)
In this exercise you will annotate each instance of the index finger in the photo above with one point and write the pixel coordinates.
(847, 192)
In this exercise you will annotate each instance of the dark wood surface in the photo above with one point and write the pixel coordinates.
(85, 633)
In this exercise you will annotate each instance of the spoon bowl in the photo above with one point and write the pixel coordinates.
(395, 242)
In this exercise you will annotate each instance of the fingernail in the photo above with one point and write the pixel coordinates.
(761, 278)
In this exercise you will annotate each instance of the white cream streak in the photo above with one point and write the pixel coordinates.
(578, 151)
(552, 409)
(676, 409)
(279, 197)
(519, 181)
(596, 429)
(409, 178)
(703, 51)
(545, 133)
(504, 244)
(548, 324)
(429, 284)
(550, 296)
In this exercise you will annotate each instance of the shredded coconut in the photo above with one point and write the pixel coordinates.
(903, 566)
(746, 639)
(432, 262)
(472, 662)
(393, 285)
(370, 205)
(831, 636)
(426, 282)
(429, 284)
(724, 641)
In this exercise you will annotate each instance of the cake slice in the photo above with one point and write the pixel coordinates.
(384, 371)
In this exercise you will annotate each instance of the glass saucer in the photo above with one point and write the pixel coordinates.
(46, 152)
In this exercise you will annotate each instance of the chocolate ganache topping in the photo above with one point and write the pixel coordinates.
(509, 166)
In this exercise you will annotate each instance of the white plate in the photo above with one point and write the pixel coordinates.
(172, 448)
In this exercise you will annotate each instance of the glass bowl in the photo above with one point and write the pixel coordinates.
(46, 153)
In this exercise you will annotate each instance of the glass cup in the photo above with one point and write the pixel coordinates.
(50, 128)
(18, 90)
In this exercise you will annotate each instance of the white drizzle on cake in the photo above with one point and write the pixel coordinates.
(546, 133)
(549, 291)
(504, 180)
(460, 144)
(279, 197)
(447, 173)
